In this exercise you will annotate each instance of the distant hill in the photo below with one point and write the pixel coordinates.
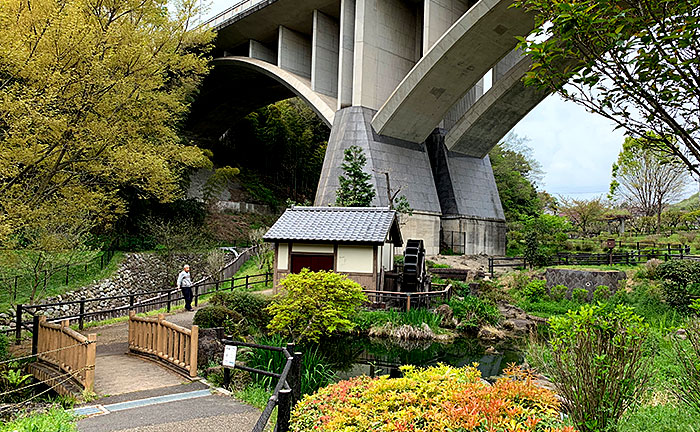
(690, 203)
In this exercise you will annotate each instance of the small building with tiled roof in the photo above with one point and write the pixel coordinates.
(356, 241)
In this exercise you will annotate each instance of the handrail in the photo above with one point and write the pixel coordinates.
(168, 342)
(70, 351)
(232, 12)
(287, 390)
(406, 299)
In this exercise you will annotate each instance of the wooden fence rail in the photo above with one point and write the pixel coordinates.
(408, 300)
(66, 349)
(168, 342)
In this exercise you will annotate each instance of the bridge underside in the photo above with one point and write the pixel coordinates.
(403, 79)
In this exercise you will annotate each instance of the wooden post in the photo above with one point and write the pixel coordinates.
(246, 282)
(284, 410)
(131, 302)
(160, 338)
(90, 362)
(194, 345)
(168, 308)
(196, 295)
(408, 302)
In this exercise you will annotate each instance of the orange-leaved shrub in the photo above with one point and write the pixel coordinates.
(435, 399)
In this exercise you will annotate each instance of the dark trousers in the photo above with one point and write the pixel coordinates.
(187, 294)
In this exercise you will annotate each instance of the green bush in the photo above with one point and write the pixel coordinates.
(491, 291)
(315, 304)
(55, 420)
(558, 292)
(535, 290)
(687, 355)
(601, 293)
(252, 307)
(598, 363)
(218, 316)
(682, 272)
(579, 295)
(474, 312)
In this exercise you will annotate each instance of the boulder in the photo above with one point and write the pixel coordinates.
(519, 327)
(491, 334)
(447, 316)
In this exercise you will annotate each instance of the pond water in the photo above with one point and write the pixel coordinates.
(354, 356)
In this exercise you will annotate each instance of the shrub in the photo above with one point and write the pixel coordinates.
(682, 272)
(316, 371)
(55, 420)
(433, 399)
(601, 293)
(651, 268)
(598, 363)
(315, 304)
(492, 291)
(474, 312)
(535, 290)
(558, 292)
(252, 307)
(218, 316)
(687, 388)
(579, 295)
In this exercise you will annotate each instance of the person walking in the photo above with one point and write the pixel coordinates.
(184, 283)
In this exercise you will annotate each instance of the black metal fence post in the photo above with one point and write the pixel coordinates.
(18, 325)
(284, 410)
(196, 295)
(131, 302)
(227, 378)
(35, 334)
(168, 308)
(294, 377)
(247, 279)
(81, 318)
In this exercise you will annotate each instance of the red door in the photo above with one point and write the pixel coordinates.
(311, 262)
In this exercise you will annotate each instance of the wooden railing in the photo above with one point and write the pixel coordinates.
(68, 350)
(168, 342)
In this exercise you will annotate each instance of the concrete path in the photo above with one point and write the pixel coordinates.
(140, 395)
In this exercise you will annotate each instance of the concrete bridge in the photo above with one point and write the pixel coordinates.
(403, 79)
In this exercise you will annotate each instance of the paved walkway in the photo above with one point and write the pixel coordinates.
(138, 395)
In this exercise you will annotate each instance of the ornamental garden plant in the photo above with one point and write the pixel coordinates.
(435, 399)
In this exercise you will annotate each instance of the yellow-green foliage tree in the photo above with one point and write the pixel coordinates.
(92, 93)
(315, 304)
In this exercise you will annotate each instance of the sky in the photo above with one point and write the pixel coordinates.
(576, 148)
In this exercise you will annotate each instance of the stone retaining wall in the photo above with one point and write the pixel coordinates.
(583, 279)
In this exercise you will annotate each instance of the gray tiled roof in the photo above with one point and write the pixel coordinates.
(342, 224)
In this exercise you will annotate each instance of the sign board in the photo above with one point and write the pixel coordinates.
(230, 352)
(610, 243)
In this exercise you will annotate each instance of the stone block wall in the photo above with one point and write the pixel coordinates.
(583, 279)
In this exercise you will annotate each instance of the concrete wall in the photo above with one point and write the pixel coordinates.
(259, 51)
(483, 236)
(438, 16)
(324, 54)
(385, 49)
(422, 226)
(355, 259)
(347, 53)
(294, 52)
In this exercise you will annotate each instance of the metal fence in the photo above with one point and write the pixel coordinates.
(287, 392)
(453, 242)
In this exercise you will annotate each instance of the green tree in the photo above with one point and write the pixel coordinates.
(92, 95)
(315, 304)
(583, 213)
(635, 62)
(646, 180)
(543, 236)
(355, 188)
(516, 173)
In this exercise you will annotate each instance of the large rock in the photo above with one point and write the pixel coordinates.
(491, 334)
(519, 327)
(444, 311)
(210, 348)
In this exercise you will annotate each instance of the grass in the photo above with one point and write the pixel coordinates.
(255, 394)
(250, 268)
(365, 320)
(79, 276)
(55, 420)
(669, 417)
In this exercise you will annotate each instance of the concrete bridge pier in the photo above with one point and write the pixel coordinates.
(449, 193)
